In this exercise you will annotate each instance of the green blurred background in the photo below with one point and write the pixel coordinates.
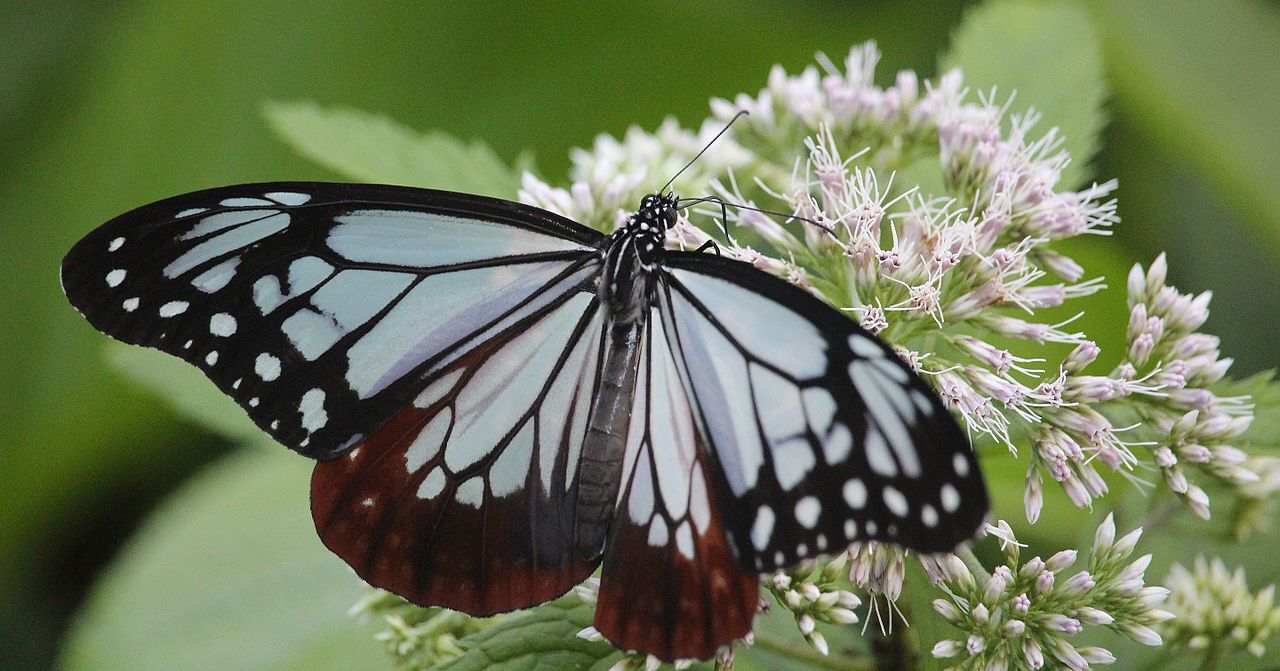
(106, 105)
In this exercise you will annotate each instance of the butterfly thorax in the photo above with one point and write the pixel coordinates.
(632, 257)
(632, 254)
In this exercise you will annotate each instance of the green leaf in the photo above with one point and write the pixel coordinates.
(184, 388)
(228, 575)
(373, 148)
(1050, 55)
(545, 637)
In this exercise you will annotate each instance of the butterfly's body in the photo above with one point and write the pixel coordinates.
(504, 400)
(630, 257)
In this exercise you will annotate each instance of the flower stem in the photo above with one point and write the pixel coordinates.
(1211, 656)
(973, 563)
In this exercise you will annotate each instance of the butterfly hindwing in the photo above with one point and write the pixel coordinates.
(466, 498)
(824, 436)
(322, 309)
(670, 584)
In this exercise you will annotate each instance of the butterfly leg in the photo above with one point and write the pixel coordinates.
(709, 244)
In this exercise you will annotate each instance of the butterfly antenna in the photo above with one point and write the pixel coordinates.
(688, 202)
(739, 115)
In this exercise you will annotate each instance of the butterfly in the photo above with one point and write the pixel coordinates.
(502, 400)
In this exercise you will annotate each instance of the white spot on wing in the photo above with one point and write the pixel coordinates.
(699, 504)
(950, 498)
(267, 367)
(640, 505)
(684, 540)
(850, 529)
(314, 416)
(428, 441)
(115, 277)
(222, 324)
(432, 485)
(793, 460)
(191, 211)
(511, 470)
(892, 370)
(288, 197)
(115, 244)
(211, 358)
(762, 529)
(960, 464)
(244, 202)
(216, 277)
(437, 390)
(130, 304)
(821, 408)
(865, 347)
(878, 454)
(658, 535)
(855, 493)
(895, 501)
(311, 333)
(838, 444)
(173, 308)
(922, 402)
(929, 516)
(471, 492)
(807, 511)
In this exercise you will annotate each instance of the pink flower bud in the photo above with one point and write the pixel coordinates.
(1064, 624)
(1083, 355)
(1156, 274)
(947, 648)
(1021, 603)
(1032, 652)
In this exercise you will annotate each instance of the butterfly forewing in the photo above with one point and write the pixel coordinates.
(824, 436)
(324, 308)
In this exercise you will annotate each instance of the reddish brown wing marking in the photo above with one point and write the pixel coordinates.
(657, 600)
(671, 585)
(508, 554)
(422, 509)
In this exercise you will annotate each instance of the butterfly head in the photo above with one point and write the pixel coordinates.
(656, 210)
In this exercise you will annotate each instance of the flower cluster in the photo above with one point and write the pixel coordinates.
(957, 280)
(1023, 615)
(417, 638)
(935, 221)
(815, 592)
(1214, 606)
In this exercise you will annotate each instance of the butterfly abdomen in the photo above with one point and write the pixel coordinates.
(600, 471)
